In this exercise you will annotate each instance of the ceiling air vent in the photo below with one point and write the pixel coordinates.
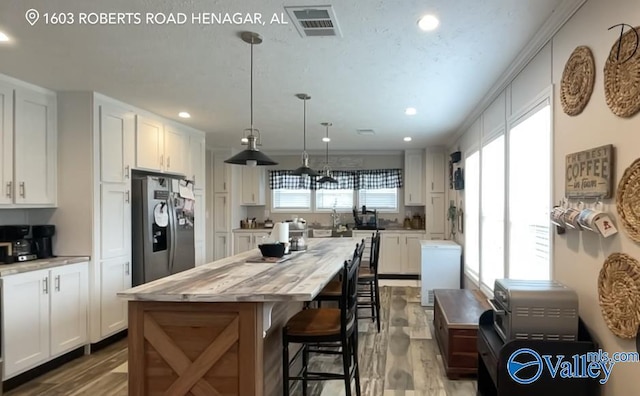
(314, 21)
(369, 132)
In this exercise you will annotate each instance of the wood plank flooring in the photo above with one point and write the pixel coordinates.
(402, 360)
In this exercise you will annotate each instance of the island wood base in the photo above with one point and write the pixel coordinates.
(205, 349)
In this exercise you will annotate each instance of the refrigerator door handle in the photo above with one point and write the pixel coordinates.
(172, 230)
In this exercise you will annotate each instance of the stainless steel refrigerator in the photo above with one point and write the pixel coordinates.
(162, 227)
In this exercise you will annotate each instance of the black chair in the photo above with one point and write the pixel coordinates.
(332, 326)
(369, 288)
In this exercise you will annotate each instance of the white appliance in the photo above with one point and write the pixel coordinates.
(440, 265)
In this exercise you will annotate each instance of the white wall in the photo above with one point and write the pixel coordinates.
(578, 257)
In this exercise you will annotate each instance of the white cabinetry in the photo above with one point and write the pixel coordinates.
(413, 177)
(199, 227)
(221, 248)
(221, 210)
(28, 137)
(221, 174)
(436, 171)
(400, 253)
(115, 220)
(176, 150)
(197, 161)
(116, 130)
(253, 185)
(115, 276)
(149, 144)
(436, 195)
(44, 314)
(166, 147)
(244, 241)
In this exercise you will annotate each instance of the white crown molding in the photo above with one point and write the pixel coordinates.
(565, 10)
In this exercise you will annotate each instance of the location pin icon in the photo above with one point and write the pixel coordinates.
(32, 16)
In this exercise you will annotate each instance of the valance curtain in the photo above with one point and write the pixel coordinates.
(370, 179)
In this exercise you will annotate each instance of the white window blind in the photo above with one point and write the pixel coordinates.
(338, 199)
(283, 199)
(492, 212)
(472, 215)
(529, 195)
(383, 199)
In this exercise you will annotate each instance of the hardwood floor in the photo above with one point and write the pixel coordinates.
(402, 360)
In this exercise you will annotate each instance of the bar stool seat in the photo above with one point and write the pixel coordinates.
(365, 272)
(321, 322)
(332, 289)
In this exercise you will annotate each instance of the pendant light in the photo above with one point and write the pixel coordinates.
(304, 170)
(251, 156)
(326, 170)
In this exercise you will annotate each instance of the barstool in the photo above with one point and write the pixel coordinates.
(333, 290)
(332, 326)
(369, 287)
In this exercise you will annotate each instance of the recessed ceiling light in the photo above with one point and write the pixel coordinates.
(410, 111)
(326, 139)
(428, 23)
(4, 37)
(184, 114)
(407, 139)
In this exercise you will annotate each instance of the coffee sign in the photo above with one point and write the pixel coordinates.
(588, 173)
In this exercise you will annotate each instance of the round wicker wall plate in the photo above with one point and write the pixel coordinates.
(619, 294)
(622, 75)
(628, 200)
(577, 81)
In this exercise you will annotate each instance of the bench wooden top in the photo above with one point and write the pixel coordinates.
(461, 308)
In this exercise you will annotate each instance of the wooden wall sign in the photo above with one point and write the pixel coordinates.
(588, 173)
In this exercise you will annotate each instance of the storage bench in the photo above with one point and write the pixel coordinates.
(455, 319)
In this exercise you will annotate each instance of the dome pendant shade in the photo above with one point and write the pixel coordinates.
(251, 156)
(327, 179)
(304, 169)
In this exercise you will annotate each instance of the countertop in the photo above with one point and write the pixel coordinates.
(233, 279)
(34, 265)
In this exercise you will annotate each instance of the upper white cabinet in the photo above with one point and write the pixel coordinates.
(253, 185)
(29, 147)
(413, 178)
(436, 172)
(176, 150)
(149, 144)
(196, 172)
(117, 141)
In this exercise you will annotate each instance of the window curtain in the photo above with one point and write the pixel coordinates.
(369, 179)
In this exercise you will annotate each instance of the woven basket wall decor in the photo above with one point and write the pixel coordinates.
(628, 200)
(622, 75)
(619, 294)
(577, 81)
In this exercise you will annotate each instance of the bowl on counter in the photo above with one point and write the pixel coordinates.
(272, 249)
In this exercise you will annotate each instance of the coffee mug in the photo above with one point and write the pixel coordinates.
(571, 218)
(588, 218)
(557, 216)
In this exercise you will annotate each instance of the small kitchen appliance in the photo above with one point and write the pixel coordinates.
(16, 247)
(534, 310)
(366, 219)
(41, 240)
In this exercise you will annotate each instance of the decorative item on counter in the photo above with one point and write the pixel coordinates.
(588, 173)
(628, 200)
(619, 294)
(272, 249)
(407, 223)
(268, 223)
(622, 75)
(577, 81)
(416, 222)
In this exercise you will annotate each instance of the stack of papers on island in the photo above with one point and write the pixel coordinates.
(261, 259)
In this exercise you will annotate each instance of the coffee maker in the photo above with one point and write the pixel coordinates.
(41, 240)
(16, 248)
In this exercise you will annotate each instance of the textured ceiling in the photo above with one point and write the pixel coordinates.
(365, 79)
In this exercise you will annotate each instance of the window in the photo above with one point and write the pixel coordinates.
(492, 212)
(341, 200)
(472, 215)
(285, 199)
(382, 199)
(529, 194)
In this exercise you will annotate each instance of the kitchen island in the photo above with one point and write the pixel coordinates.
(216, 329)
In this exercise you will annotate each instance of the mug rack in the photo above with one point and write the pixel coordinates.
(581, 216)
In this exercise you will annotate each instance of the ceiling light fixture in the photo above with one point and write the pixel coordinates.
(326, 170)
(251, 156)
(407, 139)
(184, 114)
(4, 37)
(428, 23)
(410, 111)
(304, 170)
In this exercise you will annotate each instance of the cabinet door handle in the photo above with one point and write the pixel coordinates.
(161, 160)
(127, 196)
(431, 186)
(23, 192)
(253, 197)
(126, 268)
(57, 283)
(224, 186)
(409, 197)
(126, 172)
(168, 162)
(45, 285)
(9, 185)
(431, 200)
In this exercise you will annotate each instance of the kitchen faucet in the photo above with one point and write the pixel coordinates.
(335, 217)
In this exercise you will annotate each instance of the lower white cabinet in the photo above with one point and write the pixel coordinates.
(115, 277)
(221, 245)
(44, 315)
(244, 241)
(400, 253)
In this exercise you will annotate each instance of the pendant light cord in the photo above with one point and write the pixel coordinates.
(304, 127)
(326, 161)
(251, 84)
